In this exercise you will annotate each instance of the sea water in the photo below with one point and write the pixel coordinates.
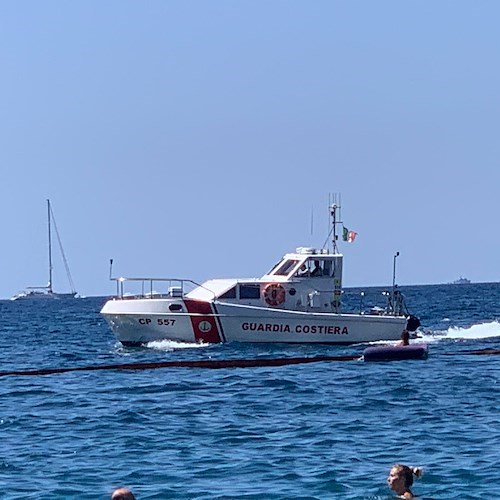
(326, 430)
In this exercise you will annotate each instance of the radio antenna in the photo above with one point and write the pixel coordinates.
(396, 255)
(334, 219)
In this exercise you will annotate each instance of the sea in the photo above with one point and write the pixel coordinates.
(324, 430)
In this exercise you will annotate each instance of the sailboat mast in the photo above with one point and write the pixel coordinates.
(49, 286)
(68, 273)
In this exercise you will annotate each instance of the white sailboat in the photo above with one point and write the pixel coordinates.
(47, 292)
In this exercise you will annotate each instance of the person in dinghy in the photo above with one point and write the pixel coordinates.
(405, 338)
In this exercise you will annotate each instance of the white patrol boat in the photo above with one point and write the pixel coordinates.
(297, 301)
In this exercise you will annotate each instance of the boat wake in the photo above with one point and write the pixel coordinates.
(172, 345)
(479, 331)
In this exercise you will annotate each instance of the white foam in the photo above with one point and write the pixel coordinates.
(171, 345)
(479, 331)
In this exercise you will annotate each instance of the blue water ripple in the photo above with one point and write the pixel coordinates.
(316, 431)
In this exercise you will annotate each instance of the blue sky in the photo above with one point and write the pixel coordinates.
(194, 138)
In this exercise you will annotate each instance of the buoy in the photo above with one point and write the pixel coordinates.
(395, 352)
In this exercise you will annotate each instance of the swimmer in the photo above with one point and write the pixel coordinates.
(122, 494)
(400, 479)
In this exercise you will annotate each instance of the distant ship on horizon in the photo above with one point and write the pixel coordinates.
(461, 281)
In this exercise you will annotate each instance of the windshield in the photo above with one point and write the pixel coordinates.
(285, 267)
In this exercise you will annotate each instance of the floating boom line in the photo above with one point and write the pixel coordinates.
(211, 363)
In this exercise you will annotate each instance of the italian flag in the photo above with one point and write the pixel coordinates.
(348, 236)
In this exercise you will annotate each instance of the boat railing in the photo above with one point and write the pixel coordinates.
(154, 288)
(375, 301)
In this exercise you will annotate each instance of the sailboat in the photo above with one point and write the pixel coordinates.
(47, 292)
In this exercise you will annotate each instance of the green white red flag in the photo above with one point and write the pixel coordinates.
(348, 235)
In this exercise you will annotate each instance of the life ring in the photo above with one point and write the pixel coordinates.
(274, 294)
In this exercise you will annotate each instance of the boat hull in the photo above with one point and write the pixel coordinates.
(144, 320)
(44, 296)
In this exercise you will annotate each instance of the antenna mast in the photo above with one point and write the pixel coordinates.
(334, 206)
(394, 309)
(334, 211)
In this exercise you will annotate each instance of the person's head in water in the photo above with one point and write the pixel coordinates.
(400, 479)
(122, 494)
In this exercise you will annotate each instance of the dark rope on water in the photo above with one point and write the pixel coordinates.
(482, 352)
(213, 364)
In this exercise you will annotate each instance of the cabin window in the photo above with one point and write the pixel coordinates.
(229, 294)
(249, 292)
(317, 268)
(272, 268)
(286, 267)
(303, 271)
(327, 268)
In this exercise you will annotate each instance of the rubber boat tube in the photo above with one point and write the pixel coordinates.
(395, 352)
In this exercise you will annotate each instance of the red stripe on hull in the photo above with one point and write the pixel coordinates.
(203, 320)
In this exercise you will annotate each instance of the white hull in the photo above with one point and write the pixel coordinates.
(144, 320)
(43, 296)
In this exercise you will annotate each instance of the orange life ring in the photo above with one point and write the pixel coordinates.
(274, 294)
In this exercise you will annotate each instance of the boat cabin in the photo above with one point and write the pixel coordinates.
(307, 263)
(307, 280)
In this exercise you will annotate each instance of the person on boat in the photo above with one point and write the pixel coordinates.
(303, 271)
(405, 338)
(317, 271)
(400, 479)
(122, 494)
